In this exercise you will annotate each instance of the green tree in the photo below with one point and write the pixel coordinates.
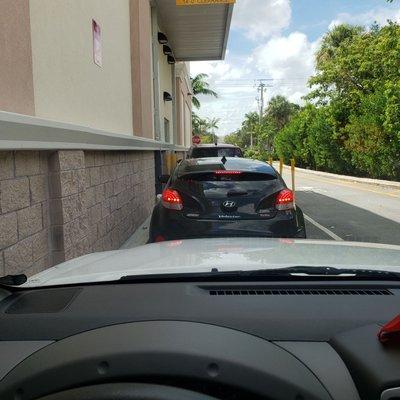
(370, 138)
(280, 110)
(232, 138)
(309, 138)
(199, 125)
(353, 123)
(248, 130)
(212, 125)
(201, 87)
(257, 134)
(207, 138)
(205, 128)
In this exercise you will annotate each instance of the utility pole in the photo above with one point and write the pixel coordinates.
(252, 132)
(261, 88)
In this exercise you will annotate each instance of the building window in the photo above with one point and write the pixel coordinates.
(167, 132)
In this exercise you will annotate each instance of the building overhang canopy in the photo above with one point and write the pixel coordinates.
(195, 32)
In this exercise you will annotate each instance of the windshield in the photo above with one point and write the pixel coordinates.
(250, 134)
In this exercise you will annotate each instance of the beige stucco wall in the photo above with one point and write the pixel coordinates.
(165, 86)
(16, 84)
(142, 68)
(180, 108)
(68, 85)
(184, 106)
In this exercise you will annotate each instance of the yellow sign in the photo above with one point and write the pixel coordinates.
(202, 2)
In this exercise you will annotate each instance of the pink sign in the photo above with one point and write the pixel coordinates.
(97, 54)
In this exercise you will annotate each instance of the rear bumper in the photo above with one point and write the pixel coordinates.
(172, 225)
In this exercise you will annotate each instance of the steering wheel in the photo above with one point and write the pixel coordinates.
(128, 391)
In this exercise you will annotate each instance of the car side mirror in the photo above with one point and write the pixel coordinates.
(163, 178)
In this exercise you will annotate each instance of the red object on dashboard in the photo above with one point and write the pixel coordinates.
(391, 331)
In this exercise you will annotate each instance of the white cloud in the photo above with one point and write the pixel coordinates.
(261, 18)
(381, 16)
(233, 79)
(211, 68)
(286, 58)
(233, 100)
(289, 61)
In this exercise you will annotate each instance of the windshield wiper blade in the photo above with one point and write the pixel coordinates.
(319, 271)
(341, 272)
(332, 272)
(13, 280)
(287, 273)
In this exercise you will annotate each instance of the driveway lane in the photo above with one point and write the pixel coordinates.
(351, 210)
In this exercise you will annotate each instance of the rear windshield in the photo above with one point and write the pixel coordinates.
(255, 169)
(203, 152)
(221, 186)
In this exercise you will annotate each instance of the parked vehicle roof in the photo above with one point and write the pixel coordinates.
(193, 165)
(223, 145)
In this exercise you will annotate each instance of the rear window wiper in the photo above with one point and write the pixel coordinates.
(297, 273)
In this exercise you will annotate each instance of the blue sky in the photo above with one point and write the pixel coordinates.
(277, 39)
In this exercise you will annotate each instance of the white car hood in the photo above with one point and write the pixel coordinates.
(201, 255)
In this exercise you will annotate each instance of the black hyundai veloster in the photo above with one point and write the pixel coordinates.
(225, 197)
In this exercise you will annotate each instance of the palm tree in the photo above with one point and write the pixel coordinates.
(201, 86)
(213, 124)
(250, 125)
(280, 110)
(199, 125)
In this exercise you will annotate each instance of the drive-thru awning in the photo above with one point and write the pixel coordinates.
(195, 32)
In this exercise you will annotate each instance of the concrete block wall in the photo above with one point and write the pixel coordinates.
(55, 206)
(24, 215)
(69, 230)
(120, 195)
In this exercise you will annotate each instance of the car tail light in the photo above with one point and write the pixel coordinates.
(172, 199)
(284, 200)
(226, 172)
(159, 239)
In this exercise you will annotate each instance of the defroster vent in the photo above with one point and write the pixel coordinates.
(300, 292)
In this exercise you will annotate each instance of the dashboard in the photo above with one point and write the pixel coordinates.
(199, 340)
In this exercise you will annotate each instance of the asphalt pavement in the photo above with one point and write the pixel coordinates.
(336, 209)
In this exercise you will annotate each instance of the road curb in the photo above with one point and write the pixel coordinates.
(378, 182)
(139, 237)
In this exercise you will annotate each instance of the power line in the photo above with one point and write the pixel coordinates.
(282, 82)
(291, 78)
